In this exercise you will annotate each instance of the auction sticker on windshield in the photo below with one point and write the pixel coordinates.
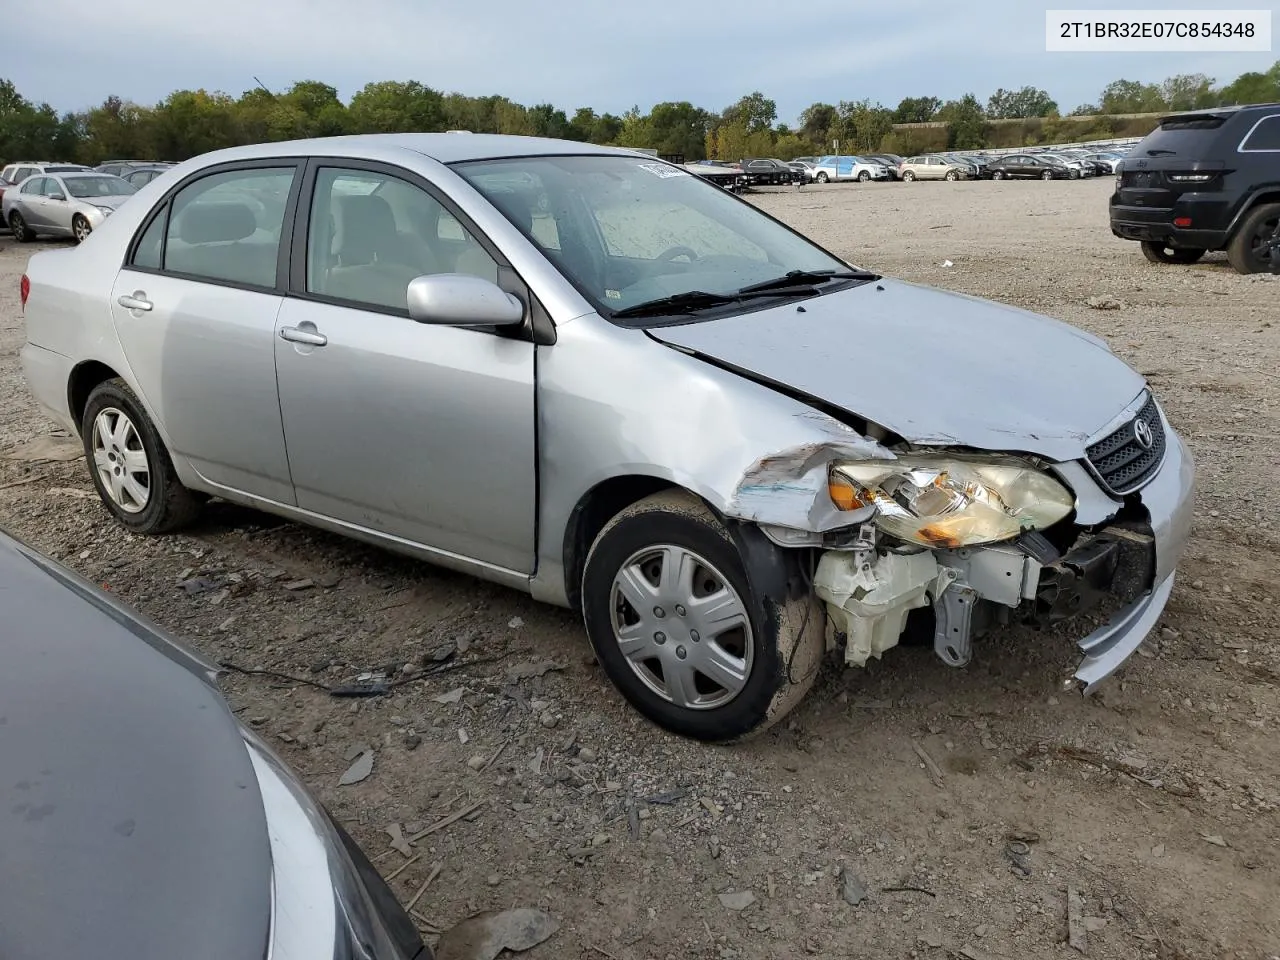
(662, 170)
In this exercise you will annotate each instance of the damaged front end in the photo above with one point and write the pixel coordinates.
(954, 544)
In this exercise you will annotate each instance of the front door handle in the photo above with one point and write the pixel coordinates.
(298, 335)
(138, 301)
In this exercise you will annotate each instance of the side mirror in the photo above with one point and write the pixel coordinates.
(460, 300)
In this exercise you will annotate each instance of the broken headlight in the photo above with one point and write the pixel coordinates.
(950, 502)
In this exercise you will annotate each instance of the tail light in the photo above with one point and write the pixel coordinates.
(24, 290)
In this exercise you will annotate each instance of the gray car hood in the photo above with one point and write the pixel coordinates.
(114, 202)
(932, 366)
(131, 824)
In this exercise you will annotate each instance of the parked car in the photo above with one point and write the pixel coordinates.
(1109, 160)
(804, 170)
(890, 162)
(1081, 168)
(933, 167)
(13, 174)
(981, 165)
(63, 204)
(588, 374)
(118, 168)
(767, 172)
(1207, 180)
(1091, 167)
(141, 176)
(848, 168)
(132, 790)
(1019, 166)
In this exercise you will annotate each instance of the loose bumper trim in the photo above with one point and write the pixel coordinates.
(1115, 641)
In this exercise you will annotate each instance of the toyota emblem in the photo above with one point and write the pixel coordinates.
(1142, 433)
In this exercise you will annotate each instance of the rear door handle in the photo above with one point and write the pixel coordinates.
(298, 335)
(138, 301)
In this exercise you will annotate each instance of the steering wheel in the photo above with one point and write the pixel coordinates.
(672, 252)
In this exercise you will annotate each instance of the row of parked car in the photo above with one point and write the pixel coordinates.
(1065, 164)
(40, 198)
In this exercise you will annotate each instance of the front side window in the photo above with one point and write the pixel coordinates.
(371, 234)
(227, 226)
(628, 231)
(52, 188)
(86, 188)
(1265, 136)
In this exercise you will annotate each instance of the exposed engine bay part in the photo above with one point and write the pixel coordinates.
(953, 624)
(868, 596)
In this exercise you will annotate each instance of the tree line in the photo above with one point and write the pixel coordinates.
(190, 122)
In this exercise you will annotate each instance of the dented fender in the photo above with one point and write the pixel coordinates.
(612, 402)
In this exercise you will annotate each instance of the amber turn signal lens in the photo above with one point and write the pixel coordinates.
(846, 495)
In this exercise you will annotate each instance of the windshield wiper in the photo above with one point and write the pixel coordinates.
(702, 300)
(808, 277)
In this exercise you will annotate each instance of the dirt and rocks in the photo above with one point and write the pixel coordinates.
(904, 810)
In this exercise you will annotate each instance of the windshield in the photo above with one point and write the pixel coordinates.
(86, 188)
(626, 231)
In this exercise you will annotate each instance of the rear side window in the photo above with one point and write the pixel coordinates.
(1263, 137)
(227, 226)
(150, 250)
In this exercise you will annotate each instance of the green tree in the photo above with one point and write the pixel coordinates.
(755, 112)
(862, 125)
(1017, 104)
(1131, 96)
(1253, 87)
(392, 106)
(1188, 91)
(547, 121)
(917, 110)
(678, 127)
(816, 122)
(966, 123)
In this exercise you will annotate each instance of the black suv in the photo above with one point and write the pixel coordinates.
(1208, 180)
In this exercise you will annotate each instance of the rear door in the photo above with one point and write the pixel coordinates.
(195, 307)
(33, 204)
(418, 432)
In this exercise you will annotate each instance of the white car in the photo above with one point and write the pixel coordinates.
(848, 168)
(1081, 168)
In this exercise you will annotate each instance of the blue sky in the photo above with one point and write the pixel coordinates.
(583, 52)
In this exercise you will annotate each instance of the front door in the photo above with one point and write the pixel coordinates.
(416, 432)
(195, 307)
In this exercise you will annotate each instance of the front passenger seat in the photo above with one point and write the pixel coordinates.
(374, 261)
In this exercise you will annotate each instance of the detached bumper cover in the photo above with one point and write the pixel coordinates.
(1168, 500)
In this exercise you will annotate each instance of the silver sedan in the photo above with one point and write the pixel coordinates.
(63, 204)
(590, 375)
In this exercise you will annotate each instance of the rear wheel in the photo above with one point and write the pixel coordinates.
(1247, 251)
(863, 177)
(21, 232)
(129, 465)
(80, 228)
(997, 174)
(1163, 253)
(675, 623)
(1047, 175)
(952, 175)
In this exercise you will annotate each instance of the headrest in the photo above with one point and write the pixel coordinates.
(366, 226)
(216, 222)
(517, 205)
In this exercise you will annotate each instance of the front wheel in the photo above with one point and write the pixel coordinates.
(908, 176)
(1248, 250)
(997, 174)
(21, 232)
(129, 465)
(863, 177)
(674, 621)
(822, 176)
(80, 228)
(1163, 253)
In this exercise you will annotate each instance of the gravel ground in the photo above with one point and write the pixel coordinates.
(1155, 801)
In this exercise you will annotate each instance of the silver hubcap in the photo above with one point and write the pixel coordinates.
(121, 461)
(682, 627)
(82, 229)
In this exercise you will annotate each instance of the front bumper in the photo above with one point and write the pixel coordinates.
(1126, 554)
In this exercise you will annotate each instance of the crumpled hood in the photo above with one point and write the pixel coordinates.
(114, 202)
(932, 366)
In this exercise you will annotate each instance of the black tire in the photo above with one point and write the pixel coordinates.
(997, 174)
(863, 177)
(169, 505)
(1047, 175)
(1163, 253)
(822, 176)
(1244, 252)
(21, 232)
(80, 228)
(908, 176)
(951, 175)
(775, 681)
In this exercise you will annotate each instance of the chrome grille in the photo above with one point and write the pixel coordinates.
(1129, 456)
